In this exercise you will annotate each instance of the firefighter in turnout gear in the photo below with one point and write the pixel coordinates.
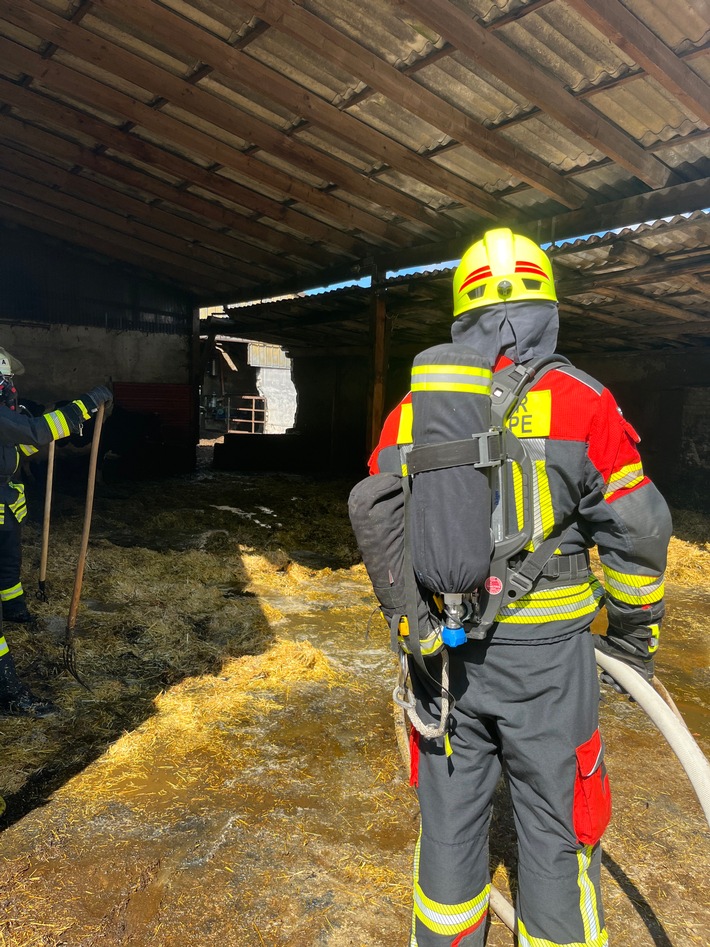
(20, 435)
(524, 692)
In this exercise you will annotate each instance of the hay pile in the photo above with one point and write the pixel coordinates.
(189, 586)
(167, 594)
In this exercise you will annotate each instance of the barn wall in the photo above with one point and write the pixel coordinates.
(328, 437)
(63, 361)
(332, 399)
(667, 399)
(76, 320)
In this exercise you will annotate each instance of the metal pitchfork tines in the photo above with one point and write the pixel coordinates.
(69, 649)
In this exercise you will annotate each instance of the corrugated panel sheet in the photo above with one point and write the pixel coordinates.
(312, 166)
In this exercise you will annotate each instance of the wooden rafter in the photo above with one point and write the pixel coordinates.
(92, 92)
(625, 30)
(538, 86)
(237, 65)
(212, 249)
(337, 48)
(20, 192)
(649, 304)
(45, 142)
(67, 227)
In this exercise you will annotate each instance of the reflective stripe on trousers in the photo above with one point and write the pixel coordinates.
(523, 710)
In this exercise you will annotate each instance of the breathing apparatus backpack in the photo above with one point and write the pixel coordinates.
(438, 537)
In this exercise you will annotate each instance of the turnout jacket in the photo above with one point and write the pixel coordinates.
(21, 435)
(590, 489)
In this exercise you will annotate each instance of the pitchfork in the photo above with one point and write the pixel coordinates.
(42, 590)
(69, 650)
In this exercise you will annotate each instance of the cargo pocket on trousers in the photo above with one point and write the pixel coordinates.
(592, 794)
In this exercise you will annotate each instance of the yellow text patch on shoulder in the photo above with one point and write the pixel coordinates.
(533, 417)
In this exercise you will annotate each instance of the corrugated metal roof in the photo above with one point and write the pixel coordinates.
(644, 282)
(320, 138)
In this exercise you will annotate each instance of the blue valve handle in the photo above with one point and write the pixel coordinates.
(453, 637)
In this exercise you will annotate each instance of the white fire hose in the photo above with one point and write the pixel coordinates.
(664, 714)
(670, 724)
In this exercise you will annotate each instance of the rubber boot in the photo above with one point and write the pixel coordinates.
(16, 699)
(15, 610)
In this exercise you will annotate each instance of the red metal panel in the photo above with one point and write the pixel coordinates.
(173, 404)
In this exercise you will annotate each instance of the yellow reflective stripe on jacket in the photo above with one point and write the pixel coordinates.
(18, 506)
(6, 595)
(634, 589)
(57, 424)
(28, 450)
(558, 604)
(406, 420)
(447, 919)
(451, 378)
(3, 646)
(428, 646)
(628, 476)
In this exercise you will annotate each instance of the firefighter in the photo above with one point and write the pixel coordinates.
(23, 435)
(525, 698)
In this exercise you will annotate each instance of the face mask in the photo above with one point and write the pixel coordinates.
(8, 392)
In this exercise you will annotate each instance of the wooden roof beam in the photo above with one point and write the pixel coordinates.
(109, 225)
(228, 61)
(649, 304)
(530, 80)
(615, 22)
(36, 216)
(45, 143)
(339, 49)
(63, 79)
(85, 45)
(199, 241)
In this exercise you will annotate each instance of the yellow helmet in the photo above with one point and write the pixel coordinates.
(502, 267)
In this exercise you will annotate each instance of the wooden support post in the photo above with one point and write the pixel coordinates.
(379, 335)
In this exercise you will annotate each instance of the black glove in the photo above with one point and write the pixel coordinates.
(635, 649)
(95, 397)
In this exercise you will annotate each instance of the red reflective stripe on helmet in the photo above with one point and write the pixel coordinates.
(525, 267)
(475, 276)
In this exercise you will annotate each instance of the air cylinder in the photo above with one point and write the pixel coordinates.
(451, 505)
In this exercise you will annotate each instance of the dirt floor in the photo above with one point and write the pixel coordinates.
(231, 771)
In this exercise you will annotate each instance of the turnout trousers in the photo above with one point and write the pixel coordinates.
(530, 712)
(10, 558)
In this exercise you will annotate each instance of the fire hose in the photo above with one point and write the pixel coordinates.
(664, 714)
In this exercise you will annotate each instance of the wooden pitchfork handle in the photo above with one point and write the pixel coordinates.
(42, 590)
(69, 656)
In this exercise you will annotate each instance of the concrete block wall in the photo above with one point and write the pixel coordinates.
(63, 361)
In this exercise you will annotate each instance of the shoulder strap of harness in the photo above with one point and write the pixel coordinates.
(510, 386)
